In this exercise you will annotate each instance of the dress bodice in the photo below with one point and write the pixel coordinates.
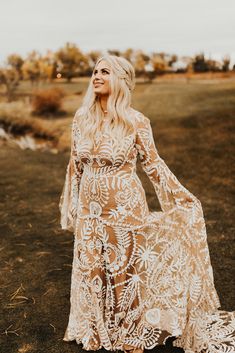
(107, 154)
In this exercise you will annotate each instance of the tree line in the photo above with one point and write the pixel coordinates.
(70, 62)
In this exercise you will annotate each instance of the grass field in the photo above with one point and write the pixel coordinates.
(193, 124)
(159, 101)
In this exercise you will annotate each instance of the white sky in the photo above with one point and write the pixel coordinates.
(183, 27)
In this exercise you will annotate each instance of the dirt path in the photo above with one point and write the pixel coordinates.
(36, 256)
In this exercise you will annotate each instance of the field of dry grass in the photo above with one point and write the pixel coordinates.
(166, 98)
(193, 124)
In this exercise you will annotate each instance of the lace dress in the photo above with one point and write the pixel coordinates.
(138, 277)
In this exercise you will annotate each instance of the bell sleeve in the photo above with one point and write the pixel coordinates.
(170, 192)
(183, 213)
(68, 202)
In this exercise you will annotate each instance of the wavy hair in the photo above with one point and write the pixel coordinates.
(122, 82)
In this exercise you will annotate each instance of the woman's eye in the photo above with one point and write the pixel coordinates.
(102, 71)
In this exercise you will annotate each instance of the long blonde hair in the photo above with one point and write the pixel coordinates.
(122, 82)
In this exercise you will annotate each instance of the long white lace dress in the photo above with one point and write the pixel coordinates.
(138, 277)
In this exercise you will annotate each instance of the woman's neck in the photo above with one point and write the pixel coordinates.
(103, 102)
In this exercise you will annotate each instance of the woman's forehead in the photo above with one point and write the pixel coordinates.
(103, 65)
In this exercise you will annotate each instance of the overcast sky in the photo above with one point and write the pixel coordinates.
(183, 27)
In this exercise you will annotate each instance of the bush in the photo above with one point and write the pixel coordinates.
(48, 101)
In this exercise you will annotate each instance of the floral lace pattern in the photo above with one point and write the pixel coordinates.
(138, 277)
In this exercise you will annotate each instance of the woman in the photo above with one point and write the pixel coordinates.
(138, 277)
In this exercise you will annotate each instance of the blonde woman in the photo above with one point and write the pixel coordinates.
(138, 277)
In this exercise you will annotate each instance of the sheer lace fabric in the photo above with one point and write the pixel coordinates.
(138, 277)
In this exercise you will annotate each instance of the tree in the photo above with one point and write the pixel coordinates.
(15, 61)
(173, 59)
(140, 62)
(31, 67)
(128, 54)
(226, 63)
(213, 65)
(200, 64)
(93, 56)
(47, 66)
(159, 63)
(114, 52)
(10, 78)
(71, 61)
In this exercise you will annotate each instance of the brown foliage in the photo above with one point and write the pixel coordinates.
(10, 78)
(48, 101)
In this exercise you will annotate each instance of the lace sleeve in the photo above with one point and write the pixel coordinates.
(69, 198)
(170, 192)
(183, 208)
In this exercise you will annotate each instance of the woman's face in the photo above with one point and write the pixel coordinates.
(101, 78)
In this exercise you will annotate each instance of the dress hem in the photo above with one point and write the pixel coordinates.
(79, 342)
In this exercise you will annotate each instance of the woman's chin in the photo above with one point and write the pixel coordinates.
(100, 93)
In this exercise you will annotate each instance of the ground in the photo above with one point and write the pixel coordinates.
(36, 255)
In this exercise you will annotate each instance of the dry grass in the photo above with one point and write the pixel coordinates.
(159, 100)
(16, 119)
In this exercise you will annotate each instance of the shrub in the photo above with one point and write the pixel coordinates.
(48, 101)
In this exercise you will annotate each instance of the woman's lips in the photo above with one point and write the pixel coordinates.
(98, 84)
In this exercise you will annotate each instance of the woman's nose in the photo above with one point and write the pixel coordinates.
(97, 74)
